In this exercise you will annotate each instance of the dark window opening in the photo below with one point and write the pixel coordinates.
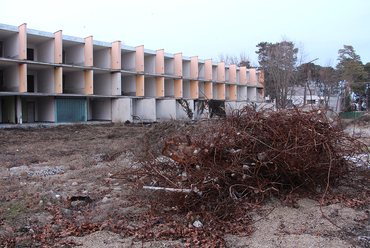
(1, 48)
(30, 83)
(30, 54)
(30, 112)
(1, 80)
(63, 83)
(64, 57)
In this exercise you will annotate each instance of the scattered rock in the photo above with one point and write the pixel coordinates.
(197, 224)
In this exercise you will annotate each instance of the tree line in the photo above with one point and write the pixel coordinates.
(283, 69)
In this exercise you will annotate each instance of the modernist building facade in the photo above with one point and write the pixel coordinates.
(52, 77)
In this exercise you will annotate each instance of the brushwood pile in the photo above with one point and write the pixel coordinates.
(250, 155)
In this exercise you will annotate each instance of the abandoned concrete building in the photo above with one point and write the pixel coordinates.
(52, 77)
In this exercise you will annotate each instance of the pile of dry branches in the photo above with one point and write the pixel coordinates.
(250, 155)
(235, 162)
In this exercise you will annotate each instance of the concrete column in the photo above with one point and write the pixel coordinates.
(208, 89)
(139, 59)
(58, 80)
(178, 88)
(194, 89)
(208, 69)
(140, 85)
(178, 64)
(89, 60)
(159, 62)
(232, 73)
(58, 47)
(221, 91)
(243, 75)
(22, 41)
(221, 71)
(116, 55)
(159, 86)
(194, 67)
(89, 82)
(232, 92)
(252, 76)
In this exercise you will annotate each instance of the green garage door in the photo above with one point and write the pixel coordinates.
(70, 110)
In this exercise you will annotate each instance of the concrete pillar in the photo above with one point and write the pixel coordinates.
(221, 71)
(89, 60)
(116, 55)
(243, 75)
(232, 73)
(58, 47)
(159, 62)
(159, 86)
(221, 91)
(22, 41)
(208, 89)
(139, 59)
(140, 85)
(232, 92)
(194, 67)
(194, 89)
(208, 69)
(252, 76)
(178, 64)
(89, 82)
(178, 88)
(58, 80)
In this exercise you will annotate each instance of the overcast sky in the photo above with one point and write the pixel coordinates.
(205, 28)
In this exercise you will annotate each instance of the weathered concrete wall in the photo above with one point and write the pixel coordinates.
(121, 110)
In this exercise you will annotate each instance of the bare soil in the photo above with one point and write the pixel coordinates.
(56, 185)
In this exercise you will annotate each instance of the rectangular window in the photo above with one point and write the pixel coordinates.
(30, 54)
(30, 83)
(1, 48)
(64, 57)
(1, 80)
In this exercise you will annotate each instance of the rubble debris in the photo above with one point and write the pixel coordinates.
(79, 201)
(46, 172)
(198, 224)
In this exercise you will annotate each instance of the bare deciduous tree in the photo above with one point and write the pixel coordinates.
(242, 60)
(328, 83)
(279, 61)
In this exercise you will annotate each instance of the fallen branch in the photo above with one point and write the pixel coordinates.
(168, 189)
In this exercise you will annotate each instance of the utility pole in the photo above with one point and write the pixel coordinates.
(305, 84)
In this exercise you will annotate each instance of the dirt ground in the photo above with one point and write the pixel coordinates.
(56, 186)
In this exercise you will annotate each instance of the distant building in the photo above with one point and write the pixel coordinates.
(51, 77)
(297, 95)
